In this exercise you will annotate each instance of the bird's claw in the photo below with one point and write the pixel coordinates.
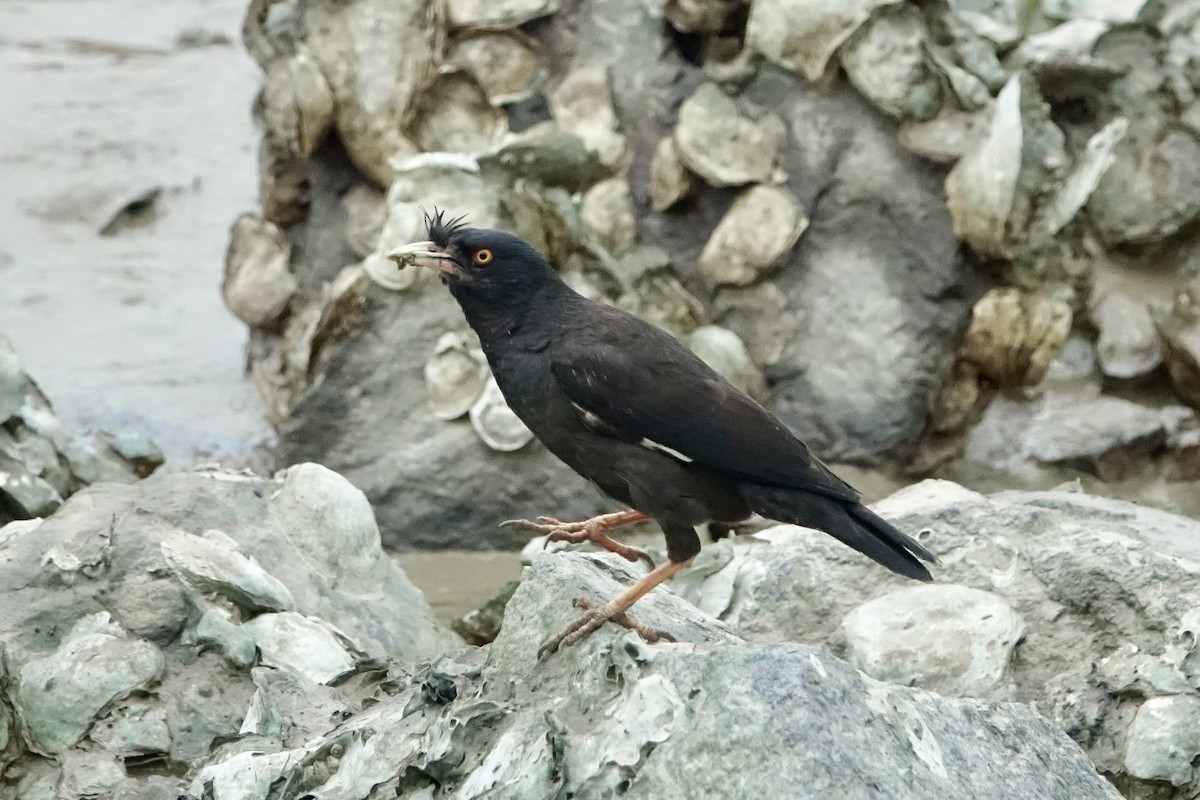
(595, 617)
(576, 533)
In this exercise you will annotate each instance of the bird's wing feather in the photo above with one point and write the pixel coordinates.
(649, 387)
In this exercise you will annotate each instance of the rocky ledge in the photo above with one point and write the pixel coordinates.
(229, 637)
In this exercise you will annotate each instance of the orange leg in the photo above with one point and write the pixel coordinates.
(615, 611)
(589, 530)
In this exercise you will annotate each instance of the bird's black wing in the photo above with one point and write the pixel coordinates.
(639, 383)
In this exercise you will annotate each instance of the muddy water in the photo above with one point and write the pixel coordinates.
(105, 102)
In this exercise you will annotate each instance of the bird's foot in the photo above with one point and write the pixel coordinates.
(595, 617)
(589, 530)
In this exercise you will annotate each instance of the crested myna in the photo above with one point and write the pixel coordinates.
(632, 410)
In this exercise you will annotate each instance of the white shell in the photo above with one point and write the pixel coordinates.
(496, 424)
(455, 376)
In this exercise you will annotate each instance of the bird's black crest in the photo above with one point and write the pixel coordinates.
(440, 229)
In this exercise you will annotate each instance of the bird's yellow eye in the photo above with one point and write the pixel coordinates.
(483, 257)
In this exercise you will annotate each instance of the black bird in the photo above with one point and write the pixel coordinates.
(632, 410)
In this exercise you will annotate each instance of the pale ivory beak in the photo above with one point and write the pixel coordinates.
(422, 254)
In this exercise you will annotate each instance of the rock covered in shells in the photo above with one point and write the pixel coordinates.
(455, 375)
(41, 462)
(96, 664)
(258, 284)
(724, 142)
(760, 228)
(505, 63)
(96, 692)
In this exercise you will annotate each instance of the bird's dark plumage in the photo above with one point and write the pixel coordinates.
(627, 406)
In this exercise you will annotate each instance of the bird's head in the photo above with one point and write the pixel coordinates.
(478, 265)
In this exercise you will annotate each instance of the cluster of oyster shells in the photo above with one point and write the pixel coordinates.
(433, 108)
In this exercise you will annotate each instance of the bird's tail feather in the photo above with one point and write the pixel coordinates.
(849, 522)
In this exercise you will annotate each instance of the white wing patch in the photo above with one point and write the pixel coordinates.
(650, 444)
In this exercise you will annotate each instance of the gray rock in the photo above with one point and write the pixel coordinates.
(606, 214)
(1152, 188)
(1163, 740)
(1094, 581)
(614, 715)
(87, 691)
(504, 63)
(953, 640)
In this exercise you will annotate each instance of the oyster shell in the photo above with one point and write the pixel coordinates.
(606, 212)
(670, 180)
(756, 232)
(804, 36)
(453, 115)
(497, 14)
(724, 142)
(297, 104)
(504, 63)
(496, 424)
(582, 104)
(258, 284)
(887, 62)
(1014, 335)
(455, 375)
